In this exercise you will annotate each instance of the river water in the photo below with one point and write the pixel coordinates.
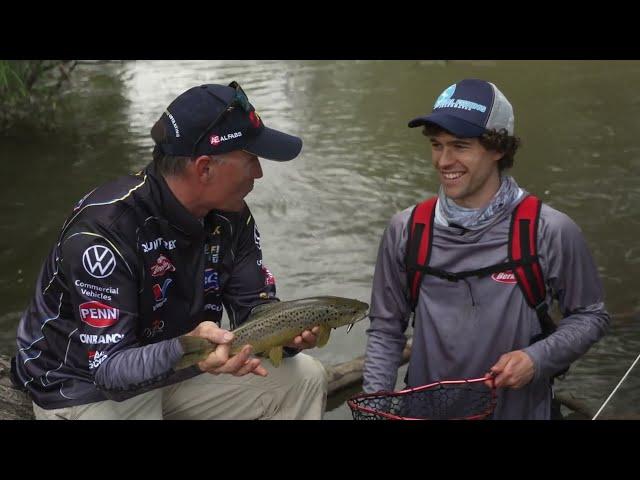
(321, 215)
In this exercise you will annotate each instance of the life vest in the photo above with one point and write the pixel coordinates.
(523, 257)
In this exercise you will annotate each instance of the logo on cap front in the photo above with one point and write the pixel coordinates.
(216, 140)
(254, 118)
(446, 100)
(444, 96)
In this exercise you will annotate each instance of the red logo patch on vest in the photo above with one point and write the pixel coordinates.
(504, 277)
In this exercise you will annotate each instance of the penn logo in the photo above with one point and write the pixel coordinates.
(504, 277)
(98, 314)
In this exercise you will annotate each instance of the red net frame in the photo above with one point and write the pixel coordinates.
(469, 399)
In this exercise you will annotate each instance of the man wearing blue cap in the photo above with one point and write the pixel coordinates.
(478, 266)
(149, 259)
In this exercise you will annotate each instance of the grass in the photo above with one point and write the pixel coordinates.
(28, 89)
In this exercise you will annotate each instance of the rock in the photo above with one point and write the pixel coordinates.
(347, 374)
(14, 404)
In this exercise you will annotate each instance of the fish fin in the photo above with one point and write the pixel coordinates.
(263, 307)
(323, 336)
(275, 355)
(195, 350)
(192, 344)
(190, 359)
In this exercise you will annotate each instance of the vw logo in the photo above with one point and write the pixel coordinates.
(99, 261)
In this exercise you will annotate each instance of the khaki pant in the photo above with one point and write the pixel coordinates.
(297, 390)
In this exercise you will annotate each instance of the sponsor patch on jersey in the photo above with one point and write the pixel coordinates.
(256, 236)
(269, 279)
(162, 266)
(99, 261)
(98, 314)
(156, 328)
(214, 253)
(94, 291)
(157, 243)
(160, 293)
(212, 307)
(96, 358)
(101, 339)
(210, 280)
(504, 277)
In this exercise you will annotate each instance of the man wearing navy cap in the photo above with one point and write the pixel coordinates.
(479, 266)
(149, 259)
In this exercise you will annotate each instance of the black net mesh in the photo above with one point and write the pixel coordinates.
(441, 401)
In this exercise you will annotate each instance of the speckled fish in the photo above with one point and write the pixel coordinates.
(273, 325)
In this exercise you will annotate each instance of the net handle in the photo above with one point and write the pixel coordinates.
(389, 393)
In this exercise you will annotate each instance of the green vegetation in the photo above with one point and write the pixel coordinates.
(29, 89)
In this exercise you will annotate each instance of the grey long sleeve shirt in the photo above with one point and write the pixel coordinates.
(462, 328)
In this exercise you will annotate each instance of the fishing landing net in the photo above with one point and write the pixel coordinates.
(446, 400)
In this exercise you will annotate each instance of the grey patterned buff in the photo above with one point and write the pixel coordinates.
(476, 218)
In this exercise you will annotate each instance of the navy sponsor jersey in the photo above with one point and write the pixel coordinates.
(131, 271)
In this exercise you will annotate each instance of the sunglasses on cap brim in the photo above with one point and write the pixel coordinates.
(239, 99)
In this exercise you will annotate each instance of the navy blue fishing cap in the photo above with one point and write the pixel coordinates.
(214, 119)
(469, 108)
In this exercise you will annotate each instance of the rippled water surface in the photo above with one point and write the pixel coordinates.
(321, 215)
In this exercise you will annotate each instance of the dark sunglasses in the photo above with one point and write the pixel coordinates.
(239, 100)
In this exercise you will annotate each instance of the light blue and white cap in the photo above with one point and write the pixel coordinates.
(470, 108)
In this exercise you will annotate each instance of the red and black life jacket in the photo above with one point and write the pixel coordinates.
(523, 257)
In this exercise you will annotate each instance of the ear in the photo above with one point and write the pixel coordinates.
(203, 168)
(496, 155)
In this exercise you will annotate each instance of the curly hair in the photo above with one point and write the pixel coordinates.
(498, 141)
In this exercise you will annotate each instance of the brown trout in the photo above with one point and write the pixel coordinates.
(273, 325)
